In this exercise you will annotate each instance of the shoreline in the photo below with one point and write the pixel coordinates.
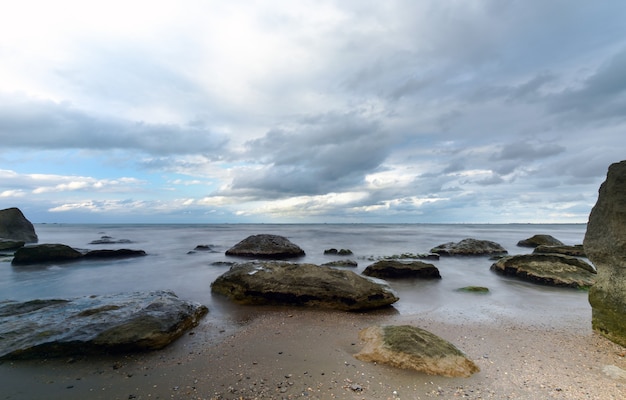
(289, 353)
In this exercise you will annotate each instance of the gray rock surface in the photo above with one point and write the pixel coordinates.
(94, 324)
(575, 251)
(15, 226)
(275, 282)
(409, 347)
(605, 246)
(385, 269)
(266, 246)
(548, 269)
(539, 240)
(469, 247)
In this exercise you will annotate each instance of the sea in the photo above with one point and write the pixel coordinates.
(172, 263)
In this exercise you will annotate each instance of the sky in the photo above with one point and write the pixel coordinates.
(280, 111)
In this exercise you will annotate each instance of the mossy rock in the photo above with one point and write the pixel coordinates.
(474, 289)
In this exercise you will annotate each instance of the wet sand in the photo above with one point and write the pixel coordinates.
(297, 353)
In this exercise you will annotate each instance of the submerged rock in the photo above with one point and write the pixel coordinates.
(605, 245)
(266, 246)
(275, 282)
(398, 269)
(15, 226)
(94, 324)
(548, 269)
(474, 289)
(340, 252)
(409, 347)
(540, 240)
(120, 253)
(469, 247)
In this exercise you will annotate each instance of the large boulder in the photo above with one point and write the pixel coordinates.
(539, 240)
(44, 253)
(266, 246)
(15, 226)
(275, 282)
(605, 246)
(8, 244)
(94, 324)
(385, 269)
(409, 347)
(548, 269)
(469, 247)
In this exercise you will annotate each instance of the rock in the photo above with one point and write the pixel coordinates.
(540, 240)
(409, 347)
(94, 324)
(8, 244)
(275, 282)
(266, 246)
(42, 253)
(335, 252)
(605, 246)
(412, 256)
(574, 251)
(385, 269)
(548, 269)
(469, 247)
(474, 289)
(120, 253)
(15, 226)
(110, 240)
(342, 263)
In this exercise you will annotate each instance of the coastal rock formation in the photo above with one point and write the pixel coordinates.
(409, 347)
(55, 252)
(548, 269)
(342, 263)
(42, 253)
(540, 240)
(94, 324)
(8, 244)
(275, 282)
(266, 246)
(398, 269)
(340, 252)
(574, 251)
(605, 246)
(109, 240)
(469, 247)
(15, 226)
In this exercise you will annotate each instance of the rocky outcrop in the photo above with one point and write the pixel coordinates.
(409, 347)
(266, 246)
(15, 226)
(605, 246)
(340, 252)
(540, 240)
(94, 324)
(8, 244)
(55, 252)
(548, 269)
(342, 263)
(469, 247)
(574, 251)
(275, 282)
(109, 240)
(385, 269)
(42, 253)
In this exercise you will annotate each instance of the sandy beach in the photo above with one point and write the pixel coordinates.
(286, 353)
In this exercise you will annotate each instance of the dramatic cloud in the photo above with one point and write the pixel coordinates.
(310, 111)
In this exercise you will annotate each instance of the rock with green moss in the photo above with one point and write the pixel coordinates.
(605, 246)
(409, 347)
(548, 269)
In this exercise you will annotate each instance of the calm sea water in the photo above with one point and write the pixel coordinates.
(170, 265)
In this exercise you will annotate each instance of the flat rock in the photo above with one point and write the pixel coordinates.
(540, 240)
(409, 347)
(385, 269)
(15, 226)
(119, 253)
(574, 251)
(43, 253)
(469, 247)
(89, 325)
(266, 246)
(282, 283)
(605, 246)
(548, 269)
(342, 263)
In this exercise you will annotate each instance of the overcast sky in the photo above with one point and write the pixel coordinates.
(310, 111)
